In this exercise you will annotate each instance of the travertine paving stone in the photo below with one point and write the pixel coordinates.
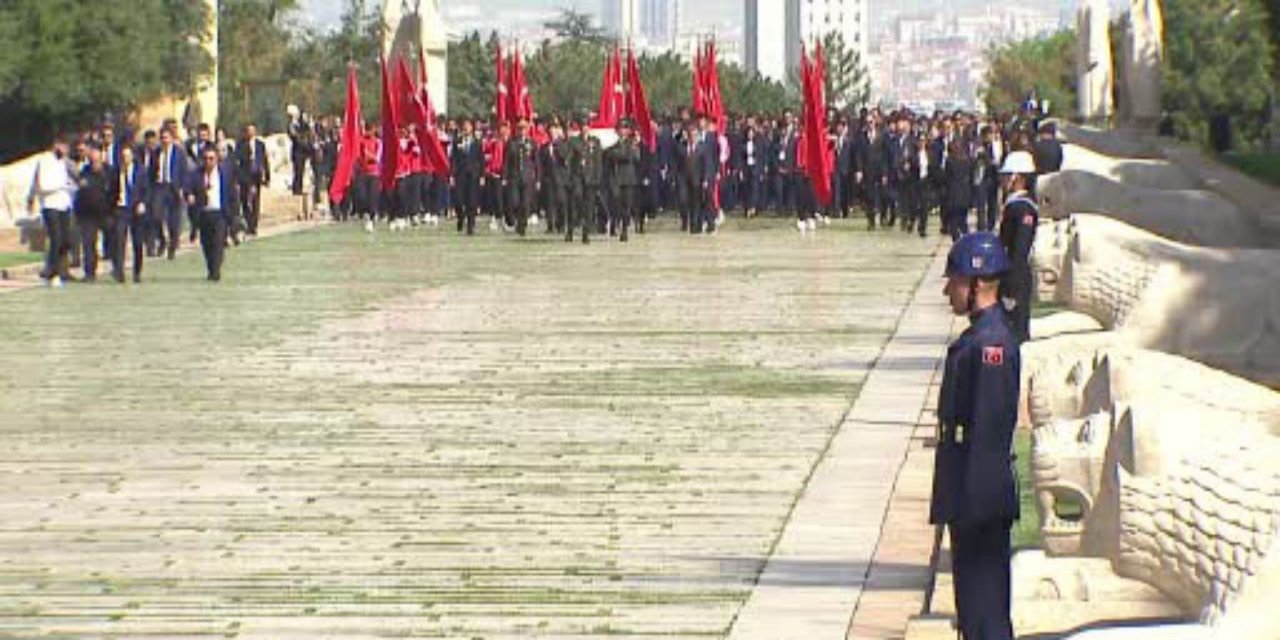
(420, 435)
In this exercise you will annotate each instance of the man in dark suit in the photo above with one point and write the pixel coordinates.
(845, 170)
(709, 172)
(129, 190)
(874, 163)
(1048, 150)
(168, 178)
(467, 163)
(253, 172)
(689, 177)
(213, 198)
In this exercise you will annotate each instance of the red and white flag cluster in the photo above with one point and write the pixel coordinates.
(706, 86)
(622, 95)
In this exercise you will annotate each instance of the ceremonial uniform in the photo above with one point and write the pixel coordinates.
(975, 488)
(1018, 235)
(624, 179)
(586, 173)
(555, 183)
(520, 172)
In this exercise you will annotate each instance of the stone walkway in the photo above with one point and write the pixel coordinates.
(833, 563)
(420, 435)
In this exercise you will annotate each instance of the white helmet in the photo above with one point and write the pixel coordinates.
(1019, 162)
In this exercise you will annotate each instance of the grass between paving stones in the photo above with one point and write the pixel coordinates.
(467, 427)
(9, 259)
(1263, 166)
(1026, 531)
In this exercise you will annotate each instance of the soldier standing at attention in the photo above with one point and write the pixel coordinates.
(624, 165)
(520, 175)
(974, 485)
(586, 172)
(1018, 235)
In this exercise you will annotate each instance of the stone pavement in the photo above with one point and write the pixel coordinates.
(846, 564)
(419, 435)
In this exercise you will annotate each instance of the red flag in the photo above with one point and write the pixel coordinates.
(521, 101)
(697, 105)
(817, 157)
(715, 105)
(502, 96)
(349, 145)
(610, 108)
(403, 89)
(640, 104)
(390, 159)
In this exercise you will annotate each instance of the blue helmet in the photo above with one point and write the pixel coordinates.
(977, 255)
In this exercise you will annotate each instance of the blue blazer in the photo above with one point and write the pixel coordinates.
(177, 166)
(227, 184)
(136, 192)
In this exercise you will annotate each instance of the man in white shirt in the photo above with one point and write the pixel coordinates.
(214, 199)
(54, 186)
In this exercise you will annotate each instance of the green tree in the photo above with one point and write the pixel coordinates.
(752, 93)
(471, 82)
(66, 63)
(667, 82)
(565, 77)
(1045, 65)
(253, 47)
(574, 25)
(1218, 61)
(847, 83)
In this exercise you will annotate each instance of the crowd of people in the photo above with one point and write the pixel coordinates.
(100, 195)
(897, 169)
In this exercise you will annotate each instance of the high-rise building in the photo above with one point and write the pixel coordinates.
(777, 29)
(765, 38)
(660, 22)
(620, 18)
(654, 23)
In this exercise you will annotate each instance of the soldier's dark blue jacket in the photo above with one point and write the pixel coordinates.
(973, 476)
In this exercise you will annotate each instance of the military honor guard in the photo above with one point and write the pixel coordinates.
(975, 492)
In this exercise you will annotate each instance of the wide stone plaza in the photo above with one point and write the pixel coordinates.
(423, 435)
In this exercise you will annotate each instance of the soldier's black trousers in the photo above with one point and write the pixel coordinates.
(625, 202)
(520, 199)
(980, 562)
(582, 209)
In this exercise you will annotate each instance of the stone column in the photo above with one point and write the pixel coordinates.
(409, 24)
(1144, 55)
(205, 100)
(1094, 71)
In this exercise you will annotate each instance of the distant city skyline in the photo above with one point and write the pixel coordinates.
(702, 15)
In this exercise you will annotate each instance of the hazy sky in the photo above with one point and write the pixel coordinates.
(464, 15)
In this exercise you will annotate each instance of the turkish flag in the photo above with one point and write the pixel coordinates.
(428, 128)
(349, 144)
(640, 104)
(521, 101)
(715, 104)
(390, 160)
(817, 156)
(610, 106)
(699, 84)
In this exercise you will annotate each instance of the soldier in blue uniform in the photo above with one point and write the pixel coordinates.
(1018, 223)
(974, 486)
